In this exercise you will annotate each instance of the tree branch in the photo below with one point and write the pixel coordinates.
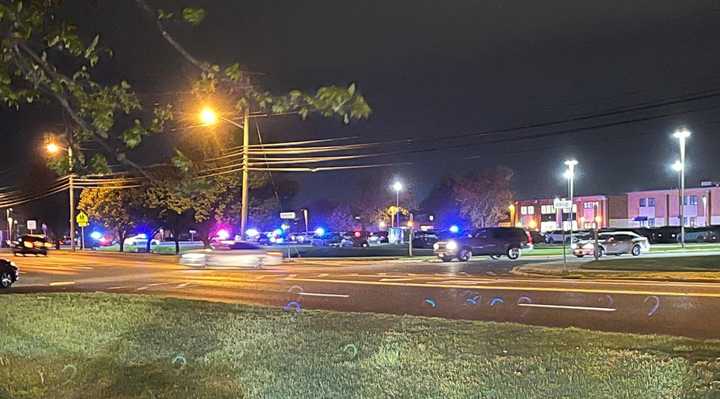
(65, 104)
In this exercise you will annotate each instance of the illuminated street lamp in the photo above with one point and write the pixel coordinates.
(570, 176)
(209, 117)
(681, 135)
(53, 148)
(397, 187)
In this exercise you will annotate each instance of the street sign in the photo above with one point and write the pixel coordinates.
(562, 204)
(32, 224)
(82, 219)
(287, 215)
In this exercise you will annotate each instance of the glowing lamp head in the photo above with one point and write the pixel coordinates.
(52, 148)
(681, 134)
(319, 232)
(397, 186)
(357, 234)
(677, 166)
(208, 116)
(598, 219)
(223, 234)
(454, 229)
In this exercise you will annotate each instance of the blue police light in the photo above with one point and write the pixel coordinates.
(278, 232)
(319, 232)
(96, 235)
(252, 233)
(454, 229)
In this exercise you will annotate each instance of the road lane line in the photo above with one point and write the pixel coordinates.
(398, 279)
(540, 305)
(183, 285)
(60, 283)
(322, 294)
(510, 288)
(117, 288)
(143, 288)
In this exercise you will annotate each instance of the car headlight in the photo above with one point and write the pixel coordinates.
(451, 245)
(436, 246)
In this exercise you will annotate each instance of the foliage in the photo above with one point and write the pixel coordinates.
(117, 209)
(44, 57)
(484, 196)
(341, 218)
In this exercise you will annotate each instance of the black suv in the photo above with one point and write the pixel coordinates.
(31, 244)
(492, 241)
(8, 273)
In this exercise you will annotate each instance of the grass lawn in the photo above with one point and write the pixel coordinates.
(674, 264)
(113, 346)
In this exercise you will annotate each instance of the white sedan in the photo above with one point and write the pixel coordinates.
(238, 254)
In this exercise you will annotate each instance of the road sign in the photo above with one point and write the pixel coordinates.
(287, 215)
(82, 219)
(32, 224)
(562, 204)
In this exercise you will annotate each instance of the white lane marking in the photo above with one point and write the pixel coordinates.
(511, 288)
(143, 288)
(156, 284)
(117, 288)
(540, 305)
(182, 285)
(322, 294)
(323, 275)
(59, 283)
(83, 267)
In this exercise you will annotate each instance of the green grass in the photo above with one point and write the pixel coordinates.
(709, 263)
(105, 346)
(156, 249)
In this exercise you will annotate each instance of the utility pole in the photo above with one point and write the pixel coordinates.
(71, 191)
(245, 171)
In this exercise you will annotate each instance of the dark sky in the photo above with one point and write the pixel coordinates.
(432, 70)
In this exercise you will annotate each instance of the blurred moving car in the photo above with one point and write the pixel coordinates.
(333, 239)
(614, 243)
(424, 239)
(239, 254)
(9, 273)
(31, 244)
(492, 241)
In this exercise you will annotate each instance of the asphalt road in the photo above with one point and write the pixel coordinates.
(478, 290)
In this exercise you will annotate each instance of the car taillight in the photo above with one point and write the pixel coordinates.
(529, 237)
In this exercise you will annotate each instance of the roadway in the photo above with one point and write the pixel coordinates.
(477, 290)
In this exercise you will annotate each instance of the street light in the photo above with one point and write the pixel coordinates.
(53, 149)
(397, 187)
(681, 135)
(209, 117)
(570, 176)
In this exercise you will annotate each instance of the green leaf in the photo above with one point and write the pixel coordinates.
(163, 15)
(351, 89)
(194, 16)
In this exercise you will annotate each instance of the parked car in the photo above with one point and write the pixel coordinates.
(333, 239)
(238, 254)
(31, 244)
(666, 235)
(359, 239)
(557, 236)
(613, 243)
(491, 241)
(9, 273)
(379, 237)
(424, 239)
(700, 234)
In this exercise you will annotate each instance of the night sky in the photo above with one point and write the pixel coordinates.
(434, 70)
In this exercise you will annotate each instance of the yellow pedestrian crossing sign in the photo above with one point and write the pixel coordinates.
(82, 219)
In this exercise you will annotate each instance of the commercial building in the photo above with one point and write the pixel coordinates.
(541, 214)
(650, 208)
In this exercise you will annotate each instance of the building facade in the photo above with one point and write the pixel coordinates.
(541, 215)
(650, 208)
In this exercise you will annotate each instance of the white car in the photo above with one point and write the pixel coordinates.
(614, 243)
(239, 254)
